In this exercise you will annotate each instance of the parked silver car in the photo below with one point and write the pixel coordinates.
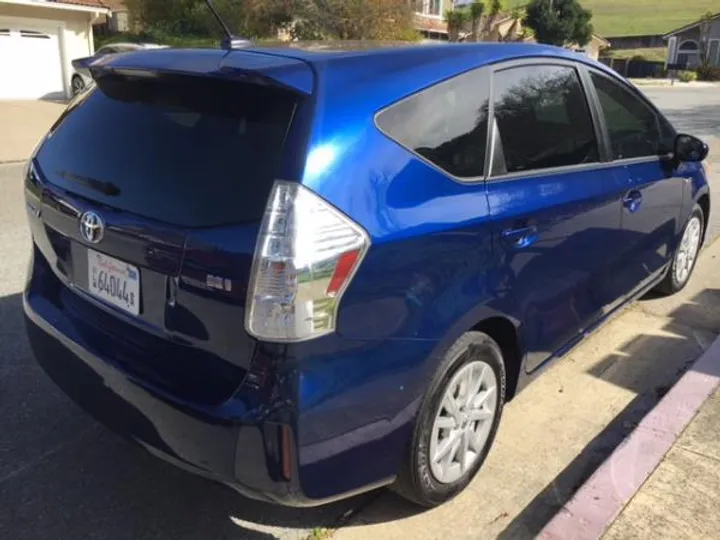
(81, 78)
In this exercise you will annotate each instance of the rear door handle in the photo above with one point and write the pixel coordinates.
(522, 236)
(632, 200)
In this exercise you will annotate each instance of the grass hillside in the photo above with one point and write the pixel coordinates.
(640, 17)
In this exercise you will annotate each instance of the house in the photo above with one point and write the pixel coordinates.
(593, 47)
(430, 18)
(507, 28)
(38, 41)
(430, 21)
(117, 21)
(685, 43)
(645, 41)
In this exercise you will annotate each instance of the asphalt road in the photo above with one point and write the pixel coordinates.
(64, 477)
(696, 110)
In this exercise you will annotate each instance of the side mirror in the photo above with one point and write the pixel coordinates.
(689, 148)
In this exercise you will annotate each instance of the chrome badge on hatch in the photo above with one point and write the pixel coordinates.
(92, 227)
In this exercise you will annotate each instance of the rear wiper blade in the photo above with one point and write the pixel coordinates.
(106, 188)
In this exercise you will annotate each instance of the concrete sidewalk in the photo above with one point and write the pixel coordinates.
(682, 497)
(22, 124)
(640, 491)
(556, 433)
(671, 82)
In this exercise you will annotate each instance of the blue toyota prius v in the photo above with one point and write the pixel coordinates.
(307, 274)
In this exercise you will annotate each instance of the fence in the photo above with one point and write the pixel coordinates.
(633, 68)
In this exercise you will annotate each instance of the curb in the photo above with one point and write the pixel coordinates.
(601, 499)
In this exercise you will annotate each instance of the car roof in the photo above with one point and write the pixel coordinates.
(336, 67)
(138, 46)
(382, 56)
(407, 68)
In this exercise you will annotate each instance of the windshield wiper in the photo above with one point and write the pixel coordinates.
(106, 188)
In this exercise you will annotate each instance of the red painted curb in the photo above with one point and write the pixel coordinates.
(599, 501)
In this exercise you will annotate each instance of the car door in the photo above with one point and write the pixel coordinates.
(555, 203)
(640, 141)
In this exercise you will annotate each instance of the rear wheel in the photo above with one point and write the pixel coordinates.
(686, 254)
(456, 423)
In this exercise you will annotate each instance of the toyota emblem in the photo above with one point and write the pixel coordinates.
(92, 227)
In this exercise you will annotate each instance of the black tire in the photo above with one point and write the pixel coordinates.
(670, 284)
(78, 85)
(416, 481)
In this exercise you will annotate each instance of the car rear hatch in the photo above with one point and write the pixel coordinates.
(149, 193)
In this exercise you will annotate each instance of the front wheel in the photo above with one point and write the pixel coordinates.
(457, 422)
(685, 257)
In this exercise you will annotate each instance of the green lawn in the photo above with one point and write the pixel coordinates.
(652, 54)
(640, 17)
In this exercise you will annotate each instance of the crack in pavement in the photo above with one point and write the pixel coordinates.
(57, 448)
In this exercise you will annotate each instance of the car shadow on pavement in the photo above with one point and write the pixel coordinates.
(648, 365)
(63, 476)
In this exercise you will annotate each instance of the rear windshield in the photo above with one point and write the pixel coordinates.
(189, 151)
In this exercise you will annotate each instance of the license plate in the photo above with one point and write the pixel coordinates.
(114, 281)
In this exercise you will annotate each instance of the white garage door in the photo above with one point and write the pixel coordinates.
(30, 65)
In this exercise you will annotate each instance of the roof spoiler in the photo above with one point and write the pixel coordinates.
(247, 66)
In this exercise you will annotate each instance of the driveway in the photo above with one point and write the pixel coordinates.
(64, 477)
(23, 124)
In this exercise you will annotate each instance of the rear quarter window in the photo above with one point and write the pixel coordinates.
(190, 151)
(446, 124)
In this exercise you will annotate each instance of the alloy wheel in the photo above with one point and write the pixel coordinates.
(688, 250)
(463, 421)
(77, 85)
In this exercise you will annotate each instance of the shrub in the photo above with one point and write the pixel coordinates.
(707, 72)
(687, 76)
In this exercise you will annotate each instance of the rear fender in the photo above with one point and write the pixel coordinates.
(465, 324)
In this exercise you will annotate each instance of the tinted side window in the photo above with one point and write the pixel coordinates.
(635, 129)
(446, 124)
(543, 119)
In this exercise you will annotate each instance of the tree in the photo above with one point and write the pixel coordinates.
(456, 19)
(353, 19)
(476, 13)
(559, 22)
(496, 7)
(306, 19)
(251, 18)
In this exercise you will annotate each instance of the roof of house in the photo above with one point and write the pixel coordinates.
(602, 40)
(115, 5)
(88, 3)
(689, 26)
(95, 6)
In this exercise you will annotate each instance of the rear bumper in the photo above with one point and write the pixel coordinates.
(312, 423)
(219, 444)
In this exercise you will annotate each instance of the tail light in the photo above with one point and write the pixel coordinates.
(305, 257)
